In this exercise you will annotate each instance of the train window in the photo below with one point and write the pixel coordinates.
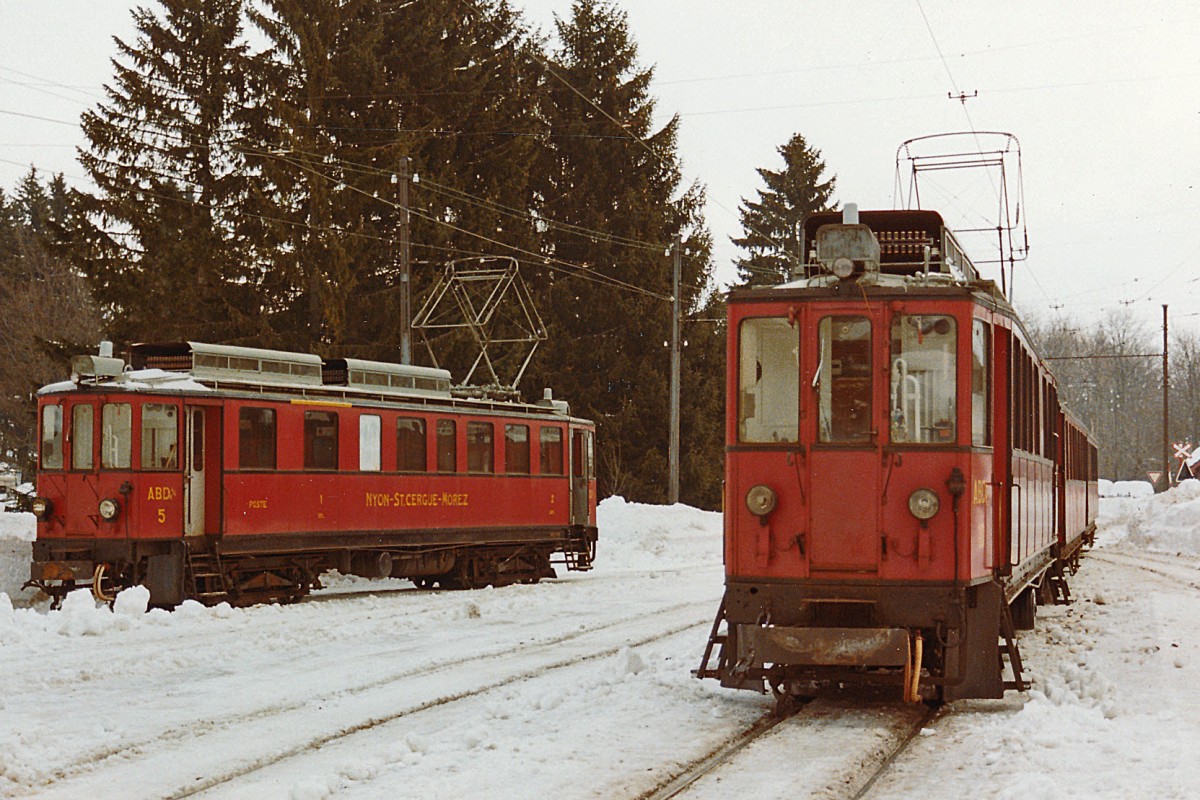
(768, 381)
(160, 436)
(52, 437)
(516, 449)
(82, 436)
(256, 438)
(480, 448)
(320, 440)
(410, 445)
(981, 384)
(551, 451)
(923, 393)
(116, 435)
(447, 445)
(843, 380)
(370, 429)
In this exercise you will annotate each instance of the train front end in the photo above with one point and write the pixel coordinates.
(858, 504)
(111, 500)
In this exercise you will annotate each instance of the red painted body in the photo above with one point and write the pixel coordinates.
(839, 410)
(201, 502)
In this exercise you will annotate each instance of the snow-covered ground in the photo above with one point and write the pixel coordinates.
(579, 687)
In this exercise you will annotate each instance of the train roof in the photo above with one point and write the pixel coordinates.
(202, 368)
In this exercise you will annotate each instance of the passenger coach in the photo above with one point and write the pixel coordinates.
(902, 484)
(234, 474)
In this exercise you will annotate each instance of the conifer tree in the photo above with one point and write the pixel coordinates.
(164, 248)
(607, 170)
(772, 225)
(351, 89)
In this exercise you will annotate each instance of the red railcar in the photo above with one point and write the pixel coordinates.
(902, 485)
(236, 474)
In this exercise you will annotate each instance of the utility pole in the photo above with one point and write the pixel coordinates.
(1166, 442)
(673, 489)
(402, 180)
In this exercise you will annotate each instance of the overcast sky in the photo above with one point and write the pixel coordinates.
(1103, 96)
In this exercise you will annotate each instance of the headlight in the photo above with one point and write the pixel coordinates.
(40, 506)
(109, 509)
(843, 267)
(923, 503)
(761, 500)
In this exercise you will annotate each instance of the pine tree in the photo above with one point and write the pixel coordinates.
(164, 248)
(772, 225)
(607, 170)
(350, 90)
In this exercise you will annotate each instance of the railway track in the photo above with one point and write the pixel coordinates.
(895, 751)
(800, 740)
(348, 710)
(694, 771)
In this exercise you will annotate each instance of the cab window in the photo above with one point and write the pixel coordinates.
(160, 436)
(116, 435)
(82, 435)
(843, 380)
(923, 379)
(768, 381)
(52, 437)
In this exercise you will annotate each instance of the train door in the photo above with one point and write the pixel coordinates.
(194, 473)
(845, 461)
(582, 467)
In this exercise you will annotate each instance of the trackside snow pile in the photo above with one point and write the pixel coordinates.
(16, 532)
(639, 536)
(1168, 522)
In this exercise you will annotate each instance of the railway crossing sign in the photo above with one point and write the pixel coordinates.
(1183, 451)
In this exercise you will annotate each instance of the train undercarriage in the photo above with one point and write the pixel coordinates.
(923, 641)
(211, 571)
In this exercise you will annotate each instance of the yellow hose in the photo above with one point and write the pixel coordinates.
(919, 645)
(97, 587)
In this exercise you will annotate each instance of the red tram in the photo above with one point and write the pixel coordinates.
(903, 487)
(234, 474)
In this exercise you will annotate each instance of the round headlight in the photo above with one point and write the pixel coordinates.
(923, 503)
(843, 267)
(109, 509)
(40, 506)
(761, 500)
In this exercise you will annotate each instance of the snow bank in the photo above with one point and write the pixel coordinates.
(1125, 488)
(16, 532)
(641, 536)
(1168, 522)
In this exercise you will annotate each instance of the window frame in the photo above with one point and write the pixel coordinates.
(116, 436)
(312, 436)
(255, 441)
(547, 446)
(148, 459)
(481, 452)
(57, 440)
(370, 443)
(404, 445)
(521, 447)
